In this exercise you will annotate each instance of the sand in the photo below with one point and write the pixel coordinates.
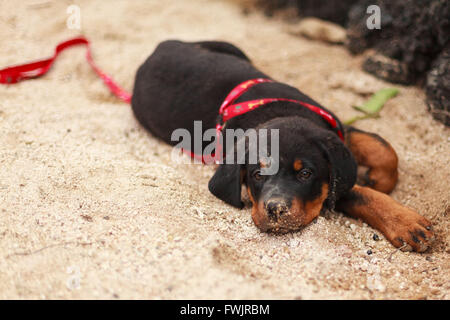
(93, 207)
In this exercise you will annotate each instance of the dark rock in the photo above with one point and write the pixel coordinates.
(386, 68)
(437, 87)
(410, 48)
(331, 10)
(412, 34)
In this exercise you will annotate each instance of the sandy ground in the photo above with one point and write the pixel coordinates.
(93, 207)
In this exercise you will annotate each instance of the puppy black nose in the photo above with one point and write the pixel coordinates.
(276, 208)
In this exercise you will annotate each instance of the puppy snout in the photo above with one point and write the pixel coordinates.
(276, 208)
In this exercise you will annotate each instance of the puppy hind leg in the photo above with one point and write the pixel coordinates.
(375, 153)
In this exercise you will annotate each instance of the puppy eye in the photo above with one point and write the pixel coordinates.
(304, 174)
(257, 175)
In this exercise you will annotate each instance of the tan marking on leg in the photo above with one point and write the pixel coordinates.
(378, 156)
(400, 225)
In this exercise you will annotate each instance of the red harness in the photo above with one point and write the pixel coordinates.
(227, 111)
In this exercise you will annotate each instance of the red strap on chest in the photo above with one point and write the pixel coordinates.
(229, 109)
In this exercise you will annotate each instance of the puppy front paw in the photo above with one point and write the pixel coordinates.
(409, 231)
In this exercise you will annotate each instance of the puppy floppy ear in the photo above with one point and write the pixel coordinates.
(343, 167)
(226, 184)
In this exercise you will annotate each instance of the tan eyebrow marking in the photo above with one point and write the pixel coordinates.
(298, 164)
(264, 163)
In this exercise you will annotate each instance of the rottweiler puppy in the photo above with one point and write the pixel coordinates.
(185, 82)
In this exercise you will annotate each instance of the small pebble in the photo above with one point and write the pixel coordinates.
(369, 252)
(435, 291)
(375, 237)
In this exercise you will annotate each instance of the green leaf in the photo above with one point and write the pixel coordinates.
(377, 101)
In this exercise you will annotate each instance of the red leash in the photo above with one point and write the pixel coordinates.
(36, 69)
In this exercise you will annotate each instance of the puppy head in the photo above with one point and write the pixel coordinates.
(314, 169)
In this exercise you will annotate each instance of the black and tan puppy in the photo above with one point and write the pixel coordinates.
(185, 82)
